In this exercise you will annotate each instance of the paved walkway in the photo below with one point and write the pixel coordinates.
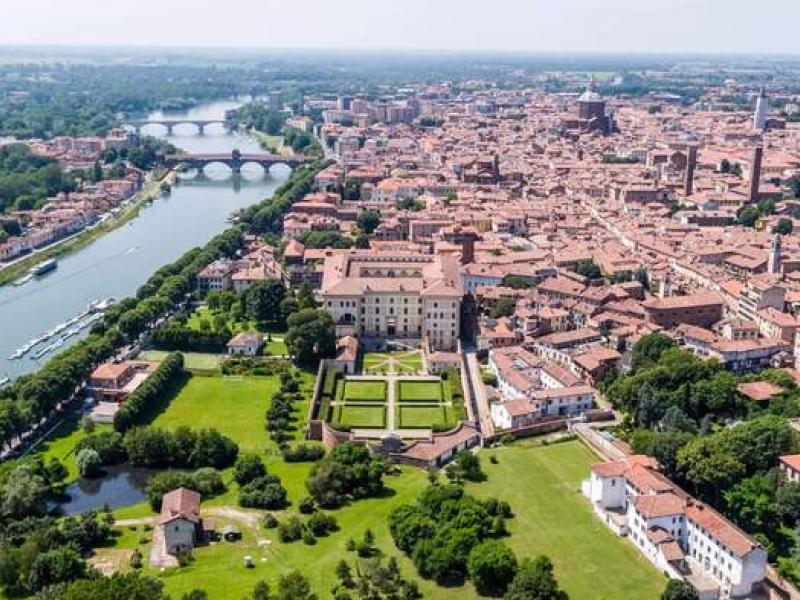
(391, 381)
(481, 397)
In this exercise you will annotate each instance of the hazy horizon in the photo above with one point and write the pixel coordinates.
(686, 27)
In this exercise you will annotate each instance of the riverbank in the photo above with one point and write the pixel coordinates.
(83, 238)
(270, 141)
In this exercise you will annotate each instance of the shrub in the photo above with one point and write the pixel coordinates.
(136, 560)
(269, 521)
(321, 524)
(304, 453)
(263, 492)
(307, 505)
(290, 530)
(248, 467)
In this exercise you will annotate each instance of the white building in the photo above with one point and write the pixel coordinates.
(534, 388)
(681, 536)
(246, 344)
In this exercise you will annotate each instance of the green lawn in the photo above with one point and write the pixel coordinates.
(372, 391)
(420, 417)
(419, 391)
(276, 348)
(234, 405)
(349, 416)
(61, 442)
(542, 484)
(551, 516)
(192, 360)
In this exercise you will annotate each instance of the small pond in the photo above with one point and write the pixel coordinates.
(121, 486)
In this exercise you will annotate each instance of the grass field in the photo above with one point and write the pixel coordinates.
(192, 360)
(419, 391)
(360, 416)
(420, 416)
(372, 391)
(542, 484)
(551, 517)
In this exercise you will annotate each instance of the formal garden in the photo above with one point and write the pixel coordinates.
(392, 362)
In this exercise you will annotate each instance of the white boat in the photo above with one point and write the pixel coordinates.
(69, 328)
(5, 381)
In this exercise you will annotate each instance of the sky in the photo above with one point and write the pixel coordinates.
(642, 26)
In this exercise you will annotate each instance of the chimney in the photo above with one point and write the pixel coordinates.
(755, 173)
(691, 164)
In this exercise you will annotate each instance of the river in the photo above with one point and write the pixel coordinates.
(116, 264)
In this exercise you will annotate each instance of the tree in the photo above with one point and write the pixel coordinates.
(679, 590)
(491, 566)
(97, 172)
(294, 586)
(132, 586)
(748, 215)
(535, 581)
(467, 466)
(516, 282)
(589, 269)
(751, 504)
(348, 471)
(368, 221)
(310, 335)
(648, 408)
(262, 301)
(362, 241)
(505, 307)
(649, 348)
(344, 574)
(89, 463)
(195, 594)
(61, 564)
(784, 226)
(24, 492)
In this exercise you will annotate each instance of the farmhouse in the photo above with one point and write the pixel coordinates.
(180, 520)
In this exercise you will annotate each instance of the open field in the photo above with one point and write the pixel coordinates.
(236, 406)
(419, 391)
(192, 360)
(551, 517)
(348, 416)
(370, 391)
